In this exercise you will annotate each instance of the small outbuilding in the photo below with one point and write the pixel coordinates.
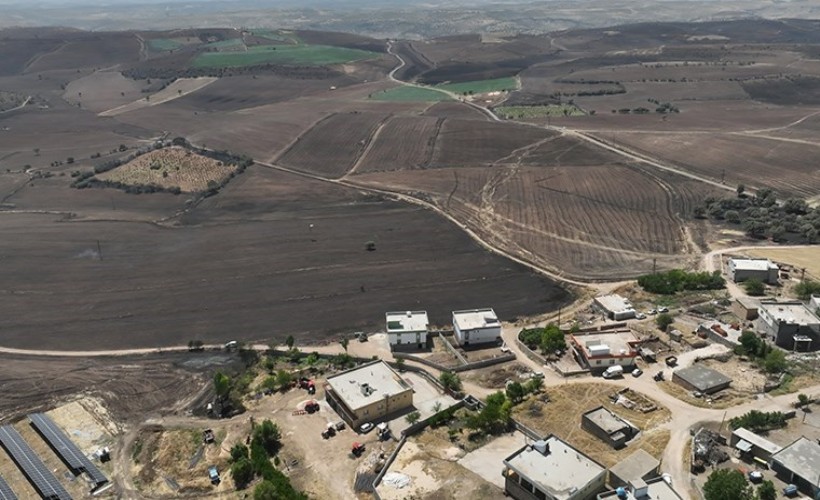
(614, 307)
(608, 426)
(639, 465)
(753, 446)
(702, 379)
(745, 308)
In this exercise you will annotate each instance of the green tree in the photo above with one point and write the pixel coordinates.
(552, 339)
(269, 383)
(239, 451)
(268, 435)
(740, 189)
(534, 385)
(222, 385)
(750, 342)
(732, 216)
(265, 491)
(283, 379)
(806, 288)
(515, 392)
(400, 364)
(242, 472)
(663, 321)
(775, 361)
(450, 380)
(344, 343)
(412, 417)
(754, 287)
(289, 342)
(803, 400)
(727, 484)
(766, 491)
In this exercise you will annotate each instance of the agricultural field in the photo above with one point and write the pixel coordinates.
(170, 167)
(800, 258)
(529, 112)
(481, 86)
(471, 143)
(412, 94)
(332, 147)
(163, 44)
(308, 55)
(11, 100)
(404, 143)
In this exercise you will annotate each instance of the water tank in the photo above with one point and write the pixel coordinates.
(541, 447)
(620, 492)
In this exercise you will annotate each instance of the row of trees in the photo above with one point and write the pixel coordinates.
(676, 280)
(762, 215)
(759, 421)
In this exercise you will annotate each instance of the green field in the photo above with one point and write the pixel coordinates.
(306, 55)
(524, 112)
(481, 86)
(162, 44)
(225, 44)
(410, 94)
(276, 36)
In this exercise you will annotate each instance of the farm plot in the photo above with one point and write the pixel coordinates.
(332, 147)
(469, 143)
(455, 110)
(408, 93)
(104, 90)
(173, 91)
(788, 168)
(15, 54)
(404, 143)
(170, 167)
(99, 51)
(481, 86)
(307, 55)
(596, 222)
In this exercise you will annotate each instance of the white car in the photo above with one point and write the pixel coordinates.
(663, 309)
(640, 315)
(366, 427)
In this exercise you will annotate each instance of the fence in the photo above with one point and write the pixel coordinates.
(469, 366)
(452, 350)
(541, 360)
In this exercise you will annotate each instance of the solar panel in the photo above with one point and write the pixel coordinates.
(66, 449)
(5, 490)
(34, 469)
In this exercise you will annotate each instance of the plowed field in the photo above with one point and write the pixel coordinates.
(404, 143)
(469, 142)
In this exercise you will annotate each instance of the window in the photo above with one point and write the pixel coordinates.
(597, 361)
(526, 485)
(540, 495)
(611, 361)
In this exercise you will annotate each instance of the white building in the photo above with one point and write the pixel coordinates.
(744, 269)
(476, 326)
(614, 306)
(552, 470)
(599, 351)
(407, 329)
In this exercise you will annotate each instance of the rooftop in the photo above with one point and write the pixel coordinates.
(406, 321)
(606, 420)
(635, 466)
(790, 312)
(367, 384)
(753, 264)
(614, 303)
(701, 377)
(656, 489)
(730, 332)
(559, 471)
(471, 319)
(801, 457)
(758, 441)
(619, 343)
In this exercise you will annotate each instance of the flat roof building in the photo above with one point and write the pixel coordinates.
(598, 351)
(476, 326)
(608, 426)
(745, 308)
(551, 469)
(614, 307)
(702, 379)
(407, 329)
(799, 464)
(368, 393)
(790, 325)
(639, 465)
(753, 445)
(745, 269)
(654, 489)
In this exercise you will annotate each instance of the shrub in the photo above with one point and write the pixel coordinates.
(727, 484)
(669, 282)
(242, 472)
(450, 380)
(758, 421)
(754, 287)
(775, 361)
(663, 321)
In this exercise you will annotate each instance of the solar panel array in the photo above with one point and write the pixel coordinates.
(5, 490)
(66, 449)
(34, 469)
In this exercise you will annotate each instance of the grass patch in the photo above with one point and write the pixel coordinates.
(481, 86)
(410, 94)
(276, 36)
(163, 44)
(306, 55)
(524, 112)
(225, 44)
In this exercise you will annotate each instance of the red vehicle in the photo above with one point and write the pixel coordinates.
(357, 449)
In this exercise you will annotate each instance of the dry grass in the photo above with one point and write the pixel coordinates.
(729, 397)
(797, 257)
(170, 167)
(562, 417)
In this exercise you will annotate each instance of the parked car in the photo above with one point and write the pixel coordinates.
(640, 315)
(366, 427)
(637, 372)
(652, 311)
(213, 474)
(755, 476)
(663, 309)
(790, 490)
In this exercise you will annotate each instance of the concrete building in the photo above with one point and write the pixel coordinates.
(814, 304)
(790, 325)
(744, 269)
(722, 333)
(753, 446)
(799, 464)
(639, 465)
(745, 308)
(598, 351)
(609, 427)
(551, 469)
(476, 326)
(614, 307)
(654, 489)
(407, 330)
(701, 379)
(368, 393)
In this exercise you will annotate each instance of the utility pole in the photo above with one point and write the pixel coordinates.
(654, 265)
(723, 176)
(99, 250)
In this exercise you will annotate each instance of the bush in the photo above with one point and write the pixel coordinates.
(806, 288)
(269, 436)
(727, 484)
(242, 472)
(515, 392)
(775, 361)
(450, 380)
(238, 452)
(758, 421)
(663, 321)
(754, 287)
(766, 491)
(676, 280)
